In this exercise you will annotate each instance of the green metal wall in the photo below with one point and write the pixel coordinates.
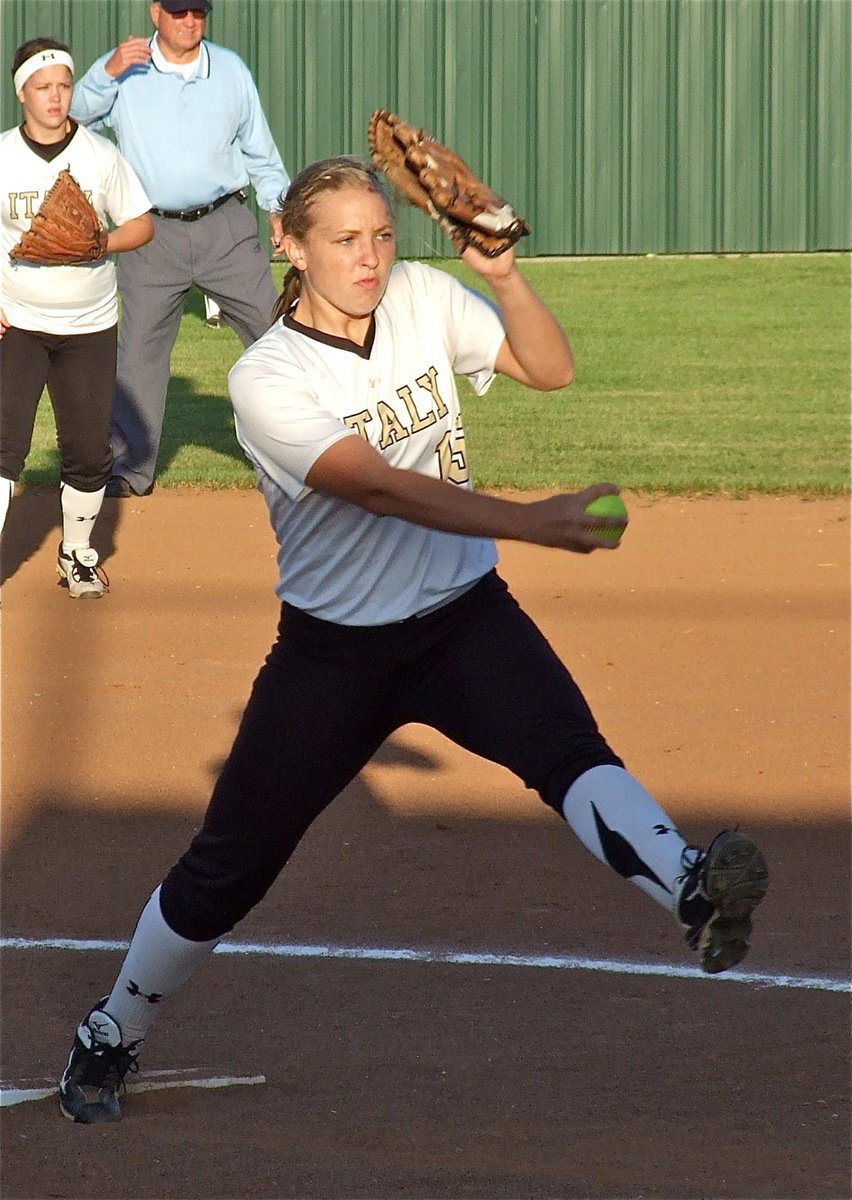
(614, 126)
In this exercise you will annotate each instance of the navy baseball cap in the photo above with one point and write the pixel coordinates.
(173, 6)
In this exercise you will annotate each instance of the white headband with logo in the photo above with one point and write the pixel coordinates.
(44, 58)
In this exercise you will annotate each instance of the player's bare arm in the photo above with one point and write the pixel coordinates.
(133, 52)
(354, 471)
(484, 228)
(131, 235)
(536, 352)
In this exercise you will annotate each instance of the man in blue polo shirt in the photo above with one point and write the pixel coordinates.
(188, 118)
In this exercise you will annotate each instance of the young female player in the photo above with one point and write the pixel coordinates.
(58, 323)
(392, 609)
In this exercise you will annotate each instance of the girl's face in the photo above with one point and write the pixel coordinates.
(345, 259)
(46, 97)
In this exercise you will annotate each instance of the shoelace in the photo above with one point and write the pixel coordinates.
(85, 574)
(693, 910)
(691, 869)
(125, 1063)
(108, 1065)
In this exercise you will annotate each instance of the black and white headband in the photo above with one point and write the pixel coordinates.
(42, 58)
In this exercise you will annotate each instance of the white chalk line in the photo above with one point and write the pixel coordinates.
(14, 1093)
(554, 962)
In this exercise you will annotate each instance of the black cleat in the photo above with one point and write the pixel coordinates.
(96, 1069)
(721, 888)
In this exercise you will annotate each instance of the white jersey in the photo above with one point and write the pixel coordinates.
(62, 299)
(297, 391)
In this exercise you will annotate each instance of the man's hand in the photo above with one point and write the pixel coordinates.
(276, 224)
(133, 52)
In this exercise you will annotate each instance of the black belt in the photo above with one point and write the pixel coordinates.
(193, 214)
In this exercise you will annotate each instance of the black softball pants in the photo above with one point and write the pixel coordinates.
(79, 373)
(328, 696)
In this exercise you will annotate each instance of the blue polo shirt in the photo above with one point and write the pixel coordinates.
(190, 140)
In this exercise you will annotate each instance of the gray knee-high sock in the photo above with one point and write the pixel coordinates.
(157, 964)
(624, 826)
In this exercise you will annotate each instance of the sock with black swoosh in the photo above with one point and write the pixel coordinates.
(623, 825)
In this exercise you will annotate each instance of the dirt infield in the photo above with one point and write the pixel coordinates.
(714, 648)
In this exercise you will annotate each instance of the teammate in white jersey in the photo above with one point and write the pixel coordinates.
(392, 610)
(59, 322)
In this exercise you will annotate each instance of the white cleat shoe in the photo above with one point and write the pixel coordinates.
(79, 572)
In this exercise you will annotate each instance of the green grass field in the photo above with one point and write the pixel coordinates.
(694, 375)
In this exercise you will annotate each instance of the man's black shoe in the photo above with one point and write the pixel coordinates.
(119, 487)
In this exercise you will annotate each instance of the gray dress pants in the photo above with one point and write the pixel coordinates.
(220, 253)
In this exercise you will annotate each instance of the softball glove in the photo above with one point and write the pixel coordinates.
(65, 230)
(435, 179)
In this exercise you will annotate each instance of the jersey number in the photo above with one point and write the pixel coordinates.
(451, 456)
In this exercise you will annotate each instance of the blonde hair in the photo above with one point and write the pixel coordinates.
(327, 175)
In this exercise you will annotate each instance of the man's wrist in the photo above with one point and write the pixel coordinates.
(102, 75)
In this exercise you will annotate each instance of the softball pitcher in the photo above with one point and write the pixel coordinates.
(392, 610)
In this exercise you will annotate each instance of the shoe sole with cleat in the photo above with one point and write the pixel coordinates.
(735, 881)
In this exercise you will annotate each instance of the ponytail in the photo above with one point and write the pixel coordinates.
(289, 294)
